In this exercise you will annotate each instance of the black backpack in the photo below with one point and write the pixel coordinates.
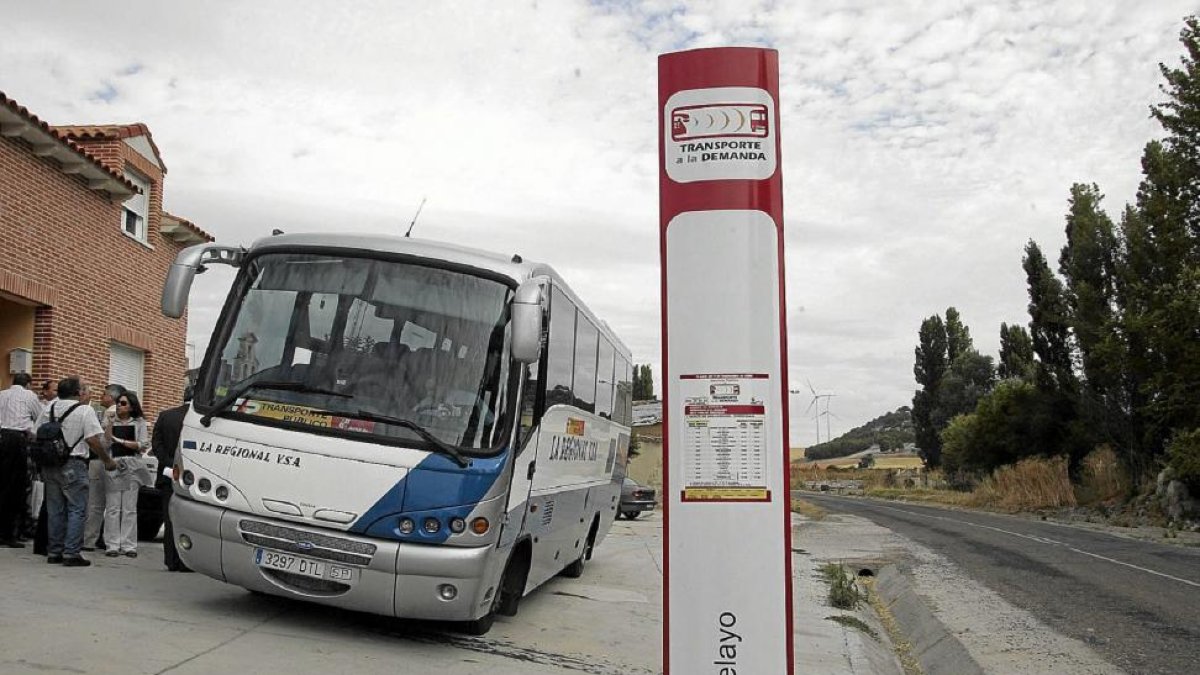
(49, 448)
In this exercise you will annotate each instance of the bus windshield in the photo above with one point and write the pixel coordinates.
(374, 347)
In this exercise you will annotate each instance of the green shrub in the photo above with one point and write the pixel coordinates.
(1183, 454)
(843, 594)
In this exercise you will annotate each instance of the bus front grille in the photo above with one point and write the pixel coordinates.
(310, 544)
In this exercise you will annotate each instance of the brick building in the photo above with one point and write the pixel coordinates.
(84, 249)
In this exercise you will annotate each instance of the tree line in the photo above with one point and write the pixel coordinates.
(1111, 352)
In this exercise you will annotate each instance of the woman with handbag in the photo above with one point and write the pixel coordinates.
(127, 437)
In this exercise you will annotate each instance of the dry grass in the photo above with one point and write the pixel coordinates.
(1029, 485)
(888, 462)
(1102, 479)
(808, 509)
(1032, 484)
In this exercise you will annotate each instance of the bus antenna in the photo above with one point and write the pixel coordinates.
(414, 220)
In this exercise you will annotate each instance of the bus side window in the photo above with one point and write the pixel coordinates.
(560, 351)
(583, 388)
(604, 379)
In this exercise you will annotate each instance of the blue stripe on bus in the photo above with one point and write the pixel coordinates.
(437, 487)
(189, 445)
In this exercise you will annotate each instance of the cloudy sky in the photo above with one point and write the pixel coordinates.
(924, 143)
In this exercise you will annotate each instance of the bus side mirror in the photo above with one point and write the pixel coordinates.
(527, 322)
(187, 265)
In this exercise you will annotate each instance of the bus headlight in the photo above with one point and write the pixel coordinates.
(407, 526)
(189, 478)
(432, 526)
(457, 525)
(205, 485)
(447, 591)
(185, 542)
(222, 492)
(480, 526)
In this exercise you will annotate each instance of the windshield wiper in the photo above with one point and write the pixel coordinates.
(220, 407)
(442, 446)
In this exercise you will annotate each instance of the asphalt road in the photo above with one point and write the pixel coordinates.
(1137, 603)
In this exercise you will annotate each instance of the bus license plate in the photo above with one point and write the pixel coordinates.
(289, 563)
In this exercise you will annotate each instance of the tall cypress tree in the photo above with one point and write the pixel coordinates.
(1049, 324)
(1169, 205)
(929, 369)
(1087, 264)
(1057, 420)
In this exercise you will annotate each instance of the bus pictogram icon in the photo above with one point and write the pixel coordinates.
(744, 120)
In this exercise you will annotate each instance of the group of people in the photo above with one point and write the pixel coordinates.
(90, 501)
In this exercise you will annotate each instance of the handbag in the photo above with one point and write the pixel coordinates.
(37, 494)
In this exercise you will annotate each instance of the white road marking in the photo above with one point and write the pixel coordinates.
(1044, 540)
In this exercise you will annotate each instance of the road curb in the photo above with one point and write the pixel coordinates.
(937, 651)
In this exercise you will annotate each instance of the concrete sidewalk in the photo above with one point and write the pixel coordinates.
(131, 616)
(823, 645)
(126, 615)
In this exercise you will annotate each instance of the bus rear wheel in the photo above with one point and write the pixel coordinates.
(575, 569)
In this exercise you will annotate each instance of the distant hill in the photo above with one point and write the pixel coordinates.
(888, 431)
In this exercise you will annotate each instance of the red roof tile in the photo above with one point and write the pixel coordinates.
(29, 117)
(110, 131)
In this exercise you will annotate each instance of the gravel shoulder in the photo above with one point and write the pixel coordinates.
(999, 636)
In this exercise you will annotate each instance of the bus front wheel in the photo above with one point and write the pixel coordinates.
(481, 625)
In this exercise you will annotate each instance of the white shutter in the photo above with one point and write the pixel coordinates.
(126, 366)
(138, 204)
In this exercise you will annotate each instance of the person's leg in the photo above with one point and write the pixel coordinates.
(129, 519)
(56, 512)
(12, 466)
(112, 516)
(41, 534)
(96, 502)
(34, 495)
(75, 482)
(170, 555)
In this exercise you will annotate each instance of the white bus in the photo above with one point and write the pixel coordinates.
(398, 426)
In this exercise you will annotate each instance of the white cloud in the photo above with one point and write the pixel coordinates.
(924, 143)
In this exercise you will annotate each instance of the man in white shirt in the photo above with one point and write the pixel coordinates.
(19, 409)
(96, 487)
(67, 485)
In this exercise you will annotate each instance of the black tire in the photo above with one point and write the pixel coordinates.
(479, 626)
(632, 515)
(512, 585)
(505, 602)
(575, 569)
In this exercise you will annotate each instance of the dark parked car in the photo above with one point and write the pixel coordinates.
(635, 498)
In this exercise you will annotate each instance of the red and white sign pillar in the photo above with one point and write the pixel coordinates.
(728, 595)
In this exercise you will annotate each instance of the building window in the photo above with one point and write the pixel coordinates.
(136, 210)
(126, 367)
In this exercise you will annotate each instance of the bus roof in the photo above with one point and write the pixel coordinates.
(504, 264)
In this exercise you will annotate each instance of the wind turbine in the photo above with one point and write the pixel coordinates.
(827, 415)
(815, 406)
